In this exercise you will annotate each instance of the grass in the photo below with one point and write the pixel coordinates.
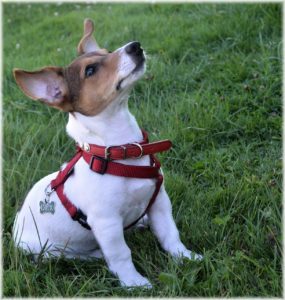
(213, 86)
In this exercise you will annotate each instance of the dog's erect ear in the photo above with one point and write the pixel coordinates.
(87, 43)
(47, 85)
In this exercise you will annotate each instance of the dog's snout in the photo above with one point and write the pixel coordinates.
(134, 48)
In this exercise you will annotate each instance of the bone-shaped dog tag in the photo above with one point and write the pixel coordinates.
(47, 206)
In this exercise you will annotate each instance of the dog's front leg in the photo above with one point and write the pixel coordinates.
(110, 236)
(164, 227)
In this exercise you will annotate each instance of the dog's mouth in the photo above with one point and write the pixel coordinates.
(139, 67)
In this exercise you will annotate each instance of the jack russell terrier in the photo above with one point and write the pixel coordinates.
(114, 179)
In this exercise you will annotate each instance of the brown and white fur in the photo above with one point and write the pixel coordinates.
(98, 113)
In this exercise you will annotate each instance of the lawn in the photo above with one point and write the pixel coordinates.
(213, 86)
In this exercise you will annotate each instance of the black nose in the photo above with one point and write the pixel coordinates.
(134, 48)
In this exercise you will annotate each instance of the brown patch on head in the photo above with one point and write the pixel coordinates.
(73, 76)
(73, 80)
(91, 95)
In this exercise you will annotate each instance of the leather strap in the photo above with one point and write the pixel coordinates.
(75, 213)
(66, 172)
(102, 166)
(159, 182)
(132, 150)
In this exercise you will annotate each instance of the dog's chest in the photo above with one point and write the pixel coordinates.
(108, 194)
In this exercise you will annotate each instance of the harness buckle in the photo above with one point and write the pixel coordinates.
(104, 164)
(108, 152)
(141, 149)
(81, 218)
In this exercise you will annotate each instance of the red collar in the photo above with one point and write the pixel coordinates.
(131, 150)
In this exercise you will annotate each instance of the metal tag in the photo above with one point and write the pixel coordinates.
(47, 207)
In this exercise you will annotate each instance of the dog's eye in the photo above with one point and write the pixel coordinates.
(91, 70)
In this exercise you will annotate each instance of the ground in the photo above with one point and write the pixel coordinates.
(213, 86)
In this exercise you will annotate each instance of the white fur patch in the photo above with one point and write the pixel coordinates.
(126, 68)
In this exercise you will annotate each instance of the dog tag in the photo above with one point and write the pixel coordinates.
(47, 207)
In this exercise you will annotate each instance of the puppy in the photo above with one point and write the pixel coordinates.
(113, 180)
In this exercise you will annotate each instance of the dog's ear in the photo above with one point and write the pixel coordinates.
(46, 85)
(87, 43)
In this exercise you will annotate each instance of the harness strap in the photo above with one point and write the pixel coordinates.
(135, 150)
(151, 201)
(101, 165)
(130, 150)
(67, 171)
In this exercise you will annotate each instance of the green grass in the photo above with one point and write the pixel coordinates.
(213, 86)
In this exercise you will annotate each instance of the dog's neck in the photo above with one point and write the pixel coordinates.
(114, 126)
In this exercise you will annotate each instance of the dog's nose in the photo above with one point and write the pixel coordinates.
(134, 48)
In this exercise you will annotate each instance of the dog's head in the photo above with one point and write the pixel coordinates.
(91, 82)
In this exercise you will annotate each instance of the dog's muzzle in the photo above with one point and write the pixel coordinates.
(136, 52)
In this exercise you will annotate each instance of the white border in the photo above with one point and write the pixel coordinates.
(142, 2)
(1, 151)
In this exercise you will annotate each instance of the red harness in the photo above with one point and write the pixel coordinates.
(101, 160)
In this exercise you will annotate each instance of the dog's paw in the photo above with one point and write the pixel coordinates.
(188, 254)
(195, 256)
(135, 281)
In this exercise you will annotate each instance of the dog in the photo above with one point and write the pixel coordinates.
(113, 181)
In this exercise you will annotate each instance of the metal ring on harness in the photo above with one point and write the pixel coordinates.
(141, 148)
(48, 193)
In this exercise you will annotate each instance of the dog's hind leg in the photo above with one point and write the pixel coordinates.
(70, 254)
(95, 254)
(164, 227)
